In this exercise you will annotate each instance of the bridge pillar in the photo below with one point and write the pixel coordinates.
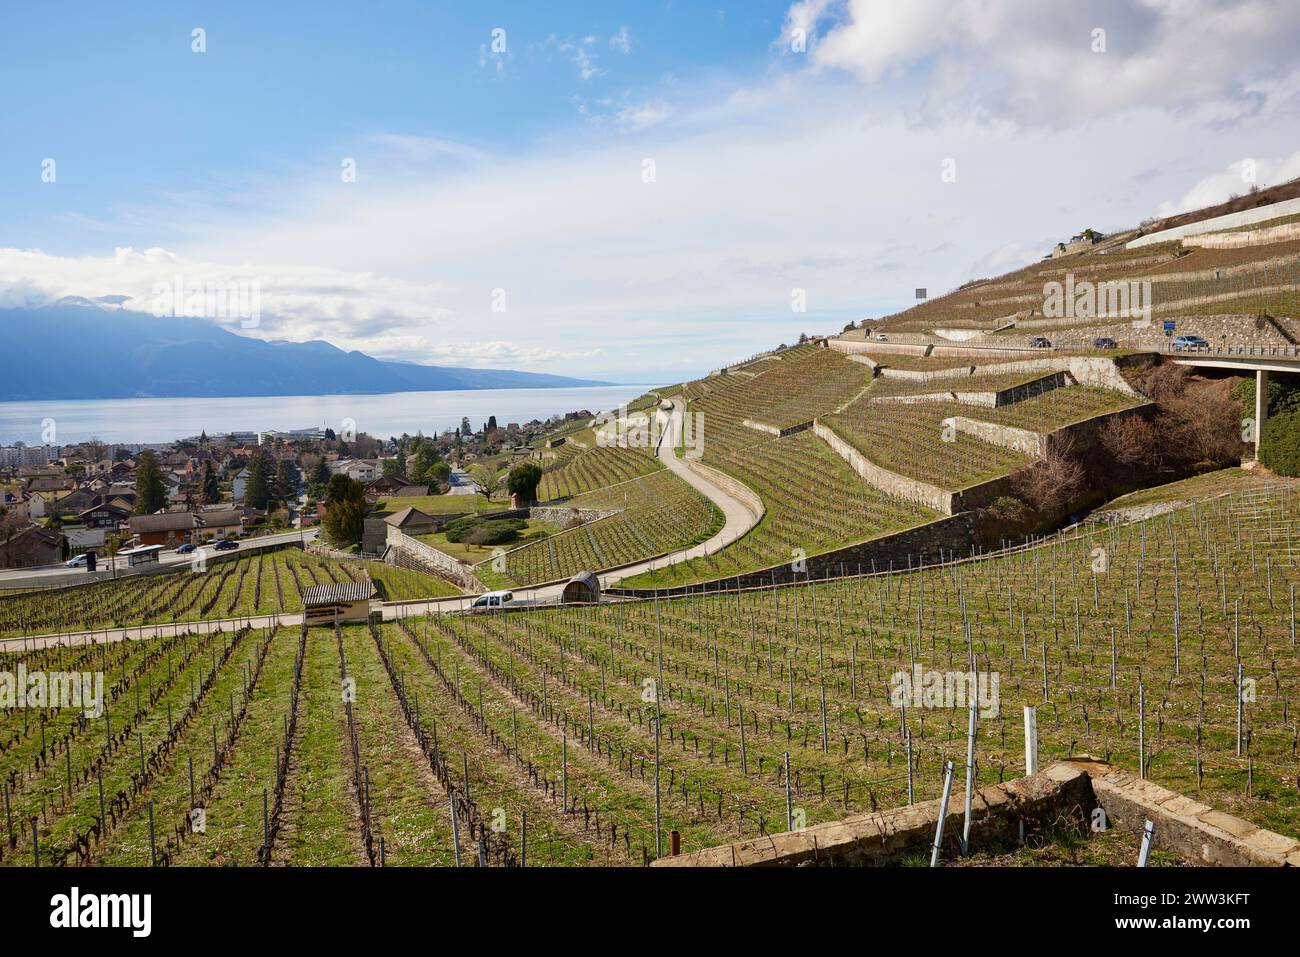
(1261, 406)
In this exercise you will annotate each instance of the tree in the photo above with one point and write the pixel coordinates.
(258, 490)
(345, 510)
(1279, 446)
(465, 427)
(424, 456)
(211, 487)
(389, 467)
(401, 462)
(523, 481)
(438, 477)
(286, 480)
(321, 473)
(150, 493)
(491, 424)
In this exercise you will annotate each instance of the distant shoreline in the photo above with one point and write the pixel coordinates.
(165, 419)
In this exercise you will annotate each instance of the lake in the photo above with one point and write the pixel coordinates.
(164, 420)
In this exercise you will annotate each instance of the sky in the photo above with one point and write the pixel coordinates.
(635, 192)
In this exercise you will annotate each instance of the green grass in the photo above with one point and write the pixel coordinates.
(438, 504)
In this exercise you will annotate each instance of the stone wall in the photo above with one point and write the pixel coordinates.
(774, 430)
(891, 483)
(850, 346)
(943, 501)
(1250, 237)
(562, 516)
(909, 548)
(1006, 436)
(1194, 831)
(405, 551)
(1245, 217)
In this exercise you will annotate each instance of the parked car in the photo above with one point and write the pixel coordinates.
(493, 599)
(1040, 342)
(882, 337)
(1190, 344)
(185, 549)
(78, 561)
(225, 545)
(1104, 342)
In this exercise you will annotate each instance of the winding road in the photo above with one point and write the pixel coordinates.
(740, 507)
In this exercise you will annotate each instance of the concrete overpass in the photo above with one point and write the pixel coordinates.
(1261, 360)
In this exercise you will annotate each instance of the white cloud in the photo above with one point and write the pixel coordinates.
(621, 41)
(644, 115)
(1038, 62)
(1235, 180)
(798, 180)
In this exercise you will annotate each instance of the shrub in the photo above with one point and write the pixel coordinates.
(1279, 446)
(492, 533)
(479, 531)
(1130, 440)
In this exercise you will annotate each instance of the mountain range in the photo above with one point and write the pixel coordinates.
(87, 349)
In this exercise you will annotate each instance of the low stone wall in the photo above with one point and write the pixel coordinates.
(943, 501)
(850, 346)
(891, 483)
(405, 551)
(733, 487)
(773, 430)
(1006, 436)
(885, 837)
(909, 548)
(562, 516)
(988, 398)
(1194, 831)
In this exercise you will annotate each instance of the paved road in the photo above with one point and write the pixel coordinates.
(53, 574)
(740, 517)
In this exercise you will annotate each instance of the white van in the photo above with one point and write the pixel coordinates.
(493, 599)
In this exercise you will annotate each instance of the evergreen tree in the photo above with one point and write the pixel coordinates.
(211, 487)
(258, 490)
(150, 492)
(345, 510)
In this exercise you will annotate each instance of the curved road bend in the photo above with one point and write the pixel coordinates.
(740, 516)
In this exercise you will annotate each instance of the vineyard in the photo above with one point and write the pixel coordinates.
(592, 469)
(352, 747)
(267, 583)
(796, 389)
(658, 513)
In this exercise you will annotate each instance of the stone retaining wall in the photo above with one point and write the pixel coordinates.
(909, 548)
(562, 515)
(774, 430)
(1229, 221)
(850, 346)
(987, 399)
(403, 548)
(1194, 831)
(943, 501)
(1249, 237)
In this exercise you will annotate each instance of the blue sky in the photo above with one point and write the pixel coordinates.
(501, 214)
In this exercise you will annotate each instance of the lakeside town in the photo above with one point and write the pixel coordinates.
(60, 502)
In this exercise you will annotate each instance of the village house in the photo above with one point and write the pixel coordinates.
(219, 523)
(168, 529)
(107, 515)
(30, 546)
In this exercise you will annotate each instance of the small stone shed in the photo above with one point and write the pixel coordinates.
(345, 602)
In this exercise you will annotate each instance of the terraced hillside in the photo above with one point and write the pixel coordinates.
(657, 513)
(813, 500)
